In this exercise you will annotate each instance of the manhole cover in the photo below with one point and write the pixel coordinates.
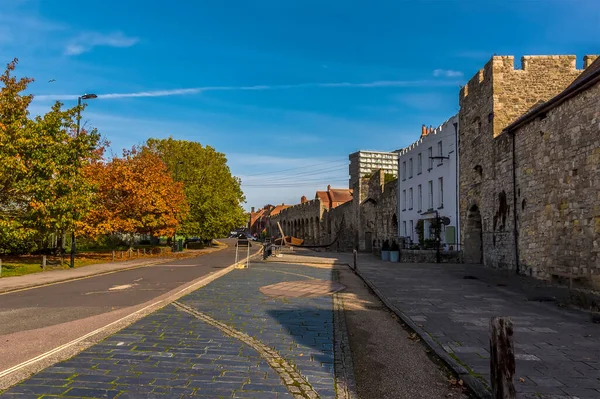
(303, 288)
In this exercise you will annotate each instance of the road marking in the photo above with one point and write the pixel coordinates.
(138, 279)
(121, 287)
(208, 279)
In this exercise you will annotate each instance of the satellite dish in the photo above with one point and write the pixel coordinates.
(445, 220)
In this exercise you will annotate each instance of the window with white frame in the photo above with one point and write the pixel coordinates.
(403, 200)
(419, 164)
(420, 197)
(439, 148)
(430, 153)
(410, 168)
(430, 194)
(441, 192)
(404, 170)
(404, 228)
(410, 198)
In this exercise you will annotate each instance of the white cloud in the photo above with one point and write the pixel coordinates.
(448, 73)
(197, 90)
(87, 41)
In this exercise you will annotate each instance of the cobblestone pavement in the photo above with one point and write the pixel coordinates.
(557, 349)
(224, 340)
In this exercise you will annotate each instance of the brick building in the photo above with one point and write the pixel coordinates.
(529, 182)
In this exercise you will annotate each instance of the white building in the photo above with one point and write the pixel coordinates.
(427, 184)
(365, 162)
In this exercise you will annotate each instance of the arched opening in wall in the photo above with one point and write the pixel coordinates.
(311, 228)
(394, 231)
(317, 231)
(473, 248)
(478, 170)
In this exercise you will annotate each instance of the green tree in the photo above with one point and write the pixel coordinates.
(42, 189)
(214, 196)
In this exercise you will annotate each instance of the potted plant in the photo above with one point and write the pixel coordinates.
(394, 251)
(385, 250)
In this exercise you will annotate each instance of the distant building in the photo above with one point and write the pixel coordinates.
(365, 162)
(427, 184)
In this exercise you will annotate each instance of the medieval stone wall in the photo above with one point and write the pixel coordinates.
(558, 190)
(496, 96)
(302, 220)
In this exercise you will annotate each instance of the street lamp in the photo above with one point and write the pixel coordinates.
(175, 232)
(84, 97)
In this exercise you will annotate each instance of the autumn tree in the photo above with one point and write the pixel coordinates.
(213, 194)
(135, 194)
(42, 189)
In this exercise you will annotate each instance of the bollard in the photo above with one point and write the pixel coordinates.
(113, 256)
(121, 254)
(144, 251)
(129, 252)
(502, 358)
(44, 262)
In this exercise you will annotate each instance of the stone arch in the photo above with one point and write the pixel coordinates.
(316, 231)
(473, 248)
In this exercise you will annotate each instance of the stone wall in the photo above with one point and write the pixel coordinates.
(365, 221)
(558, 190)
(556, 178)
(429, 256)
(496, 96)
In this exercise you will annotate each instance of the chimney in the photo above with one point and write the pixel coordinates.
(329, 187)
(423, 130)
(252, 209)
(430, 129)
(303, 199)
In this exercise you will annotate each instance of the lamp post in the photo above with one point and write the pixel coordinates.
(176, 178)
(84, 97)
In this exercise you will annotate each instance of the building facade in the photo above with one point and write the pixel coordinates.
(529, 182)
(366, 162)
(427, 186)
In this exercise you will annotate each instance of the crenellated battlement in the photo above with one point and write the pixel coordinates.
(501, 67)
(433, 132)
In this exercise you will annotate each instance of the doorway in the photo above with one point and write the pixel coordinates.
(473, 250)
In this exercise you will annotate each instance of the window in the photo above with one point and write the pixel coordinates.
(430, 152)
(410, 198)
(439, 148)
(403, 200)
(404, 170)
(410, 168)
(419, 164)
(441, 192)
(412, 229)
(420, 197)
(430, 194)
(404, 228)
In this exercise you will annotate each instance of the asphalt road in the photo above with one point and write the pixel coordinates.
(69, 301)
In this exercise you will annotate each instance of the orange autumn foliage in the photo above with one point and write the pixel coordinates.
(134, 194)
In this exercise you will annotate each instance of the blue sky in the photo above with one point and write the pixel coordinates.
(286, 89)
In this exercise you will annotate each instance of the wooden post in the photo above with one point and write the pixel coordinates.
(113, 256)
(502, 358)
(138, 252)
(144, 251)
(121, 254)
(44, 262)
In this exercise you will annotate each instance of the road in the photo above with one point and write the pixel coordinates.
(39, 319)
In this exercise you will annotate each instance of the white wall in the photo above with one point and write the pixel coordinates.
(442, 168)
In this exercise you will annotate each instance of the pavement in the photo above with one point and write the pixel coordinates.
(44, 324)
(557, 347)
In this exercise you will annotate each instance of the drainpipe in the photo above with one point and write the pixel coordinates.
(514, 181)
(458, 236)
